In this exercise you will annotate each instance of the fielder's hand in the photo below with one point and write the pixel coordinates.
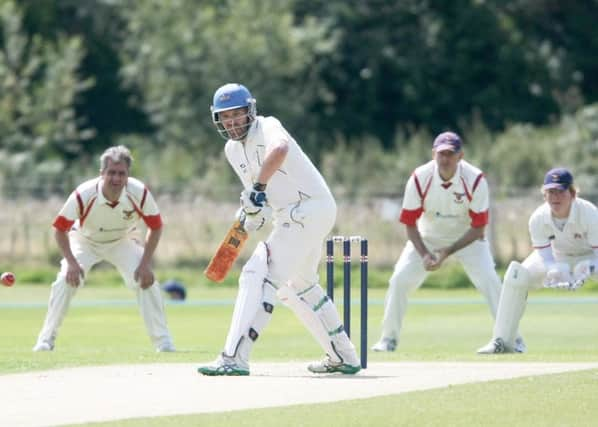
(582, 271)
(74, 274)
(144, 276)
(558, 273)
(430, 262)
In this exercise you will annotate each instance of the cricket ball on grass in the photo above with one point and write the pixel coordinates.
(7, 278)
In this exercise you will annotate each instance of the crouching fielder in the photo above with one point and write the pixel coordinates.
(445, 212)
(564, 234)
(96, 224)
(281, 184)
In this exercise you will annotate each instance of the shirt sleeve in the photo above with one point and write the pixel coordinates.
(593, 229)
(412, 203)
(150, 212)
(231, 154)
(480, 203)
(69, 213)
(540, 239)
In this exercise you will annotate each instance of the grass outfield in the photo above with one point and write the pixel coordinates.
(104, 327)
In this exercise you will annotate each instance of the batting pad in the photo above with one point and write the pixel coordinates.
(512, 303)
(249, 298)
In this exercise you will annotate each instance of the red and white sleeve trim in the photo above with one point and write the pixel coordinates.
(478, 219)
(63, 224)
(410, 217)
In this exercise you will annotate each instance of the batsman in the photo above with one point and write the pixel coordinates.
(283, 186)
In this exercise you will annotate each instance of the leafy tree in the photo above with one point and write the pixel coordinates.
(176, 54)
(38, 123)
(434, 65)
(98, 24)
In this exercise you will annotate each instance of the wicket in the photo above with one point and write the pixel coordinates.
(347, 241)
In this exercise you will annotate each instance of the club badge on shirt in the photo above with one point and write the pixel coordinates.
(128, 215)
(458, 197)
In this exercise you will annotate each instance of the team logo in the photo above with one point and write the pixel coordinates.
(128, 215)
(458, 197)
(224, 97)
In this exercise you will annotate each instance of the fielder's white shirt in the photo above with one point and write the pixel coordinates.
(579, 236)
(445, 210)
(102, 221)
(297, 178)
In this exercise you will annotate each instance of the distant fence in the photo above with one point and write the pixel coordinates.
(195, 226)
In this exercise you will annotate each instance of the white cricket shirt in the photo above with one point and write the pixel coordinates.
(296, 179)
(102, 221)
(579, 236)
(445, 210)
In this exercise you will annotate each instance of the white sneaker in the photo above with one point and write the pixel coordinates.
(385, 344)
(496, 346)
(43, 346)
(520, 346)
(166, 348)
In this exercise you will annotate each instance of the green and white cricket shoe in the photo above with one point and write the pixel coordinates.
(223, 370)
(224, 366)
(328, 366)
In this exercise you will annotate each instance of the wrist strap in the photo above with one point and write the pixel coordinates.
(259, 187)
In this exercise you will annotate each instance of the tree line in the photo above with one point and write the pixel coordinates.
(349, 79)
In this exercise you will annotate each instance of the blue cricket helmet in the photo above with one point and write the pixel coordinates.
(230, 97)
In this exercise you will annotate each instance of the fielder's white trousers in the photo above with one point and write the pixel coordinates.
(125, 255)
(409, 274)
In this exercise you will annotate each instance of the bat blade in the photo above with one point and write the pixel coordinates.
(227, 253)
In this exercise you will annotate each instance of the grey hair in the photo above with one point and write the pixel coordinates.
(118, 154)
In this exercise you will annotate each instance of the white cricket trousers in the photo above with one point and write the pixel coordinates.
(296, 242)
(125, 255)
(409, 274)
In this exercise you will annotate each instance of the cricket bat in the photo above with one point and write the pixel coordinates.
(227, 253)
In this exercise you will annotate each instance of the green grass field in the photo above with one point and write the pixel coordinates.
(104, 327)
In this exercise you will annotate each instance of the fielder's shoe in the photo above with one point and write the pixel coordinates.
(166, 348)
(43, 346)
(520, 346)
(495, 346)
(385, 344)
(327, 366)
(224, 366)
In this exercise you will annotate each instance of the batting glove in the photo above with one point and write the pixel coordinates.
(253, 200)
(254, 212)
(253, 222)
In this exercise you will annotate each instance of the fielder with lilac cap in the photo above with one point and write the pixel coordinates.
(445, 213)
(564, 235)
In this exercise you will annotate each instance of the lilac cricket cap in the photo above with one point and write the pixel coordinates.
(447, 141)
(559, 178)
